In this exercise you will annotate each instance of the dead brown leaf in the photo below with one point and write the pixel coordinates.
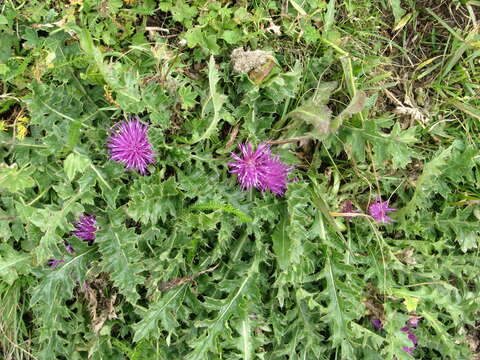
(183, 280)
(100, 306)
(274, 29)
(233, 136)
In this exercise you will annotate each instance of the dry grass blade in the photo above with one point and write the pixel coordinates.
(100, 307)
(180, 281)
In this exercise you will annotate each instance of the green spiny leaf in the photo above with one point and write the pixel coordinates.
(13, 179)
(217, 99)
(158, 311)
(153, 199)
(121, 258)
(75, 163)
(282, 244)
(215, 327)
(12, 263)
(228, 208)
(344, 305)
(48, 302)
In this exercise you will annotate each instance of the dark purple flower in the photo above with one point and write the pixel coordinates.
(377, 323)
(379, 210)
(413, 321)
(411, 335)
(413, 339)
(260, 169)
(53, 263)
(348, 208)
(69, 248)
(130, 145)
(85, 228)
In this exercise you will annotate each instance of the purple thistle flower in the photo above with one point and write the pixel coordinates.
(379, 210)
(411, 335)
(53, 263)
(413, 321)
(259, 169)
(130, 145)
(85, 228)
(69, 248)
(348, 208)
(377, 323)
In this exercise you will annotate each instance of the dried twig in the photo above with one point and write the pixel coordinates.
(233, 136)
(291, 140)
(156, 28)
(14, 344)
(180, 281)
(8, 218)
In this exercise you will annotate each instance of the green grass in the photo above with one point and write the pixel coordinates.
(364, 99)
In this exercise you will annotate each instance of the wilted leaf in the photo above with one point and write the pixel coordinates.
(403, 21)
(355, 106)
(397, 10)
(323, 92)
(259, 74)
(319, 116)
(411, 303)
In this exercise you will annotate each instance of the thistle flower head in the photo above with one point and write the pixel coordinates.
(411, 335)
(377, 323)
(379, 210)
(85, 228)
(69, 248)
(130, 146)
(347, 208)
(413, 321)
(53, 263)
(259, 169)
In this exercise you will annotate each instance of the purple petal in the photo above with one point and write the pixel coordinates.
(259, 169)
(130, 146)
(69, 248)
(413, 321)
(53, 263)
(377, 323)
(413, 339)
(348, 208)
(411, 335)
(378, 210)
(85, 228)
